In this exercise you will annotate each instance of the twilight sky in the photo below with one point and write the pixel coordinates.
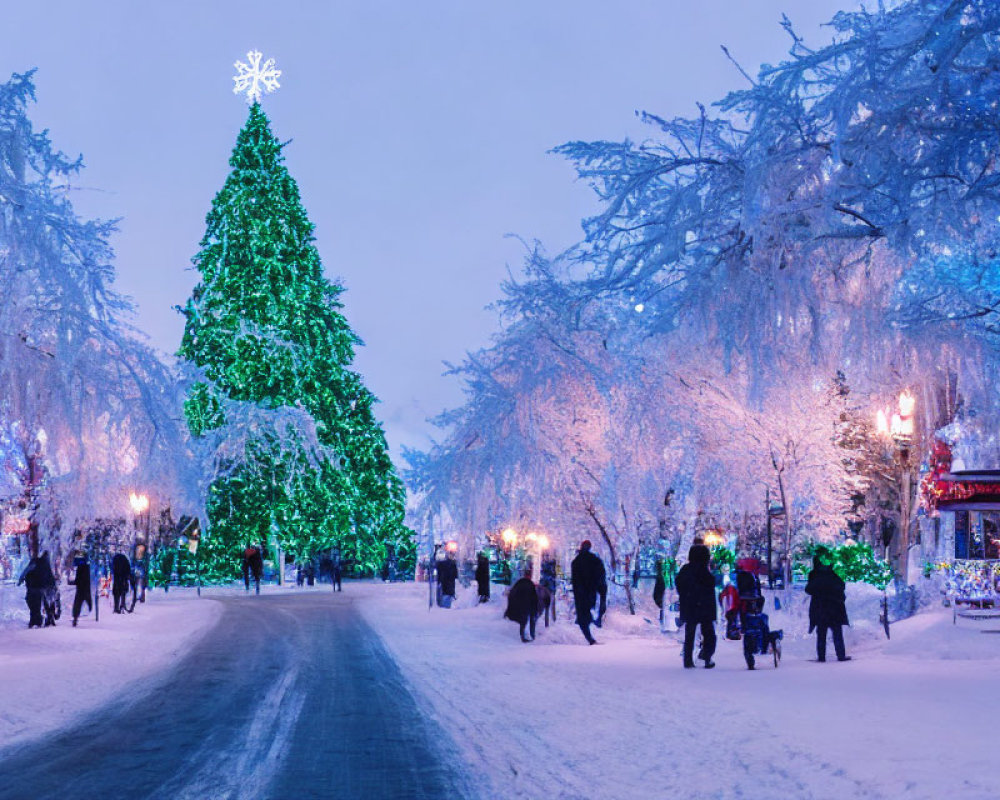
(418, 128)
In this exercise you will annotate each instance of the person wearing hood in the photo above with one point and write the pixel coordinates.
(696, 595)
(522, 605)
(81, 580)
(827, 608)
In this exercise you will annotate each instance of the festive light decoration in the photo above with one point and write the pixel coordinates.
(855, 562)
(264, 335)
(254, 79)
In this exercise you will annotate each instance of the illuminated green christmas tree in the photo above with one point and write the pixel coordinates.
(264, 327)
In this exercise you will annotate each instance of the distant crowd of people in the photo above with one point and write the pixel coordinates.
(42, 592)
(698, 603)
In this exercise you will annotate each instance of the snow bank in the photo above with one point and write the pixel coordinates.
(50, 677)
(559, 719)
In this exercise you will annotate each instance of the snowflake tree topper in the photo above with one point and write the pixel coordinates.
(254, 78)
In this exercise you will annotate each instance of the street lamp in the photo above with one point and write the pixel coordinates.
(139, 502)
(713, 537)
(140, 507)
(898, 430)
(509, 537)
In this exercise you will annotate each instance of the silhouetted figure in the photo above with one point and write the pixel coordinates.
(696, 595)
(336, 570)
(447, 572)
(483, 578)
(32, 592)
(827, 608)
(522, 605)
(589, 583)
(253, 564)
(50, 594)
(121, 578)
(81, 580)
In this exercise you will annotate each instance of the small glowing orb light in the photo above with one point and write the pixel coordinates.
(639, 308)
(452, 546)
(543, 542)
(713, 538)
(509, 536)
(139, 502)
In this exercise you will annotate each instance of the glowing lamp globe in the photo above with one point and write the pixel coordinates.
(139, 502)
(907, 403)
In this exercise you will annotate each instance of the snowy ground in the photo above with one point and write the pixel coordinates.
(559, 719)
(50, 677)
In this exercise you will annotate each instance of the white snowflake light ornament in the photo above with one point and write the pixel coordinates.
(254, 78)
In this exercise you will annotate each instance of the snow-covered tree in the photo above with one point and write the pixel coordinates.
(296, 448)
(838, 217)
(88, 412)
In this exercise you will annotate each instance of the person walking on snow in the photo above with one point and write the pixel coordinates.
(32, 592)
(447, 574)
(827, 608)
(121, 574)
(696, 595)
(522, 605)
(589, 582)
(253, 562)
(483, 578)
(81, 581)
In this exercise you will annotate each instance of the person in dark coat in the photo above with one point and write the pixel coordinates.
(522, 605)
(253, 564)
(121, 576)
(447, 572)
(483, 578)
(659, 586)
(50, 594)
(337, 570)
(589, 583)
(81, 580)
(827, 608)
(30, 577)
(696, 595)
